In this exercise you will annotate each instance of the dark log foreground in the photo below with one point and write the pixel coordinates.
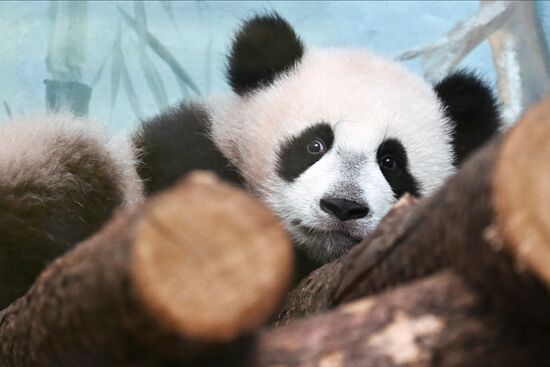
(490, 222)
(436, 321)
(161, 283)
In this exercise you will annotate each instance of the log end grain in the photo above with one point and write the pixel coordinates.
(211, 259)
(522, 192)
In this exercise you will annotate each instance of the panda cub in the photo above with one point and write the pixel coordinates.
(328, 138)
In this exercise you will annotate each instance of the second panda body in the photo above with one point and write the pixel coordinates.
(328, 138)
(61, 179)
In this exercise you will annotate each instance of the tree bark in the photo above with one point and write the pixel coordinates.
(489, 222)
(436, 321)
(195, 267)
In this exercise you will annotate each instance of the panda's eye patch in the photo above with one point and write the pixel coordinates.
(302, 151)
(316, 146)
(388, 162)
(394, 165)
(392, 155)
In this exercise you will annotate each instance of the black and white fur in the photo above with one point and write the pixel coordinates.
(328, 138)
(61, 178)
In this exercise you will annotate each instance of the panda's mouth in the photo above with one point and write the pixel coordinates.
(335, 234)
(324, 244)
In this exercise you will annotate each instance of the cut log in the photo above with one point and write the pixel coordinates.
(489, 221)
(199, 265)
(436, 321)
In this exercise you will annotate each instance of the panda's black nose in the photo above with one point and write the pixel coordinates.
(344, 209)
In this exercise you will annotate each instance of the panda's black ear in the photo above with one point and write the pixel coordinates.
(472, 108)
(264, 47)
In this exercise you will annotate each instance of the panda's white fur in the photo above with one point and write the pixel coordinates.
(357, 96)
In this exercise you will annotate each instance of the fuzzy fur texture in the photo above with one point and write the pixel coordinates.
(60, 180)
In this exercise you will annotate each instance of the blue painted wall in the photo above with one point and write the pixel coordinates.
(201, 36)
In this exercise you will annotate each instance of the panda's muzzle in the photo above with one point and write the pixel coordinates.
(344, 209)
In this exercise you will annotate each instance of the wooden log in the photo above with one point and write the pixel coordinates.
(199, 265)
(489, 221)
(435, 321)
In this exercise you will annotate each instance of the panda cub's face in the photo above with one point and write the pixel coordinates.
(329, 138)
(332, 143)
(347, 146)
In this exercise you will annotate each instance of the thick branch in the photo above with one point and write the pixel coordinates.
(437, 321)
(159, 283)
(470, 224)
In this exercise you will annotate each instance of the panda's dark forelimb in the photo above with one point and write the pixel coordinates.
(264, 47)
(177, 142)
(473, 109)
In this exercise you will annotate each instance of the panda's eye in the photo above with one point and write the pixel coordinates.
(388, 162)
(316, 147)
